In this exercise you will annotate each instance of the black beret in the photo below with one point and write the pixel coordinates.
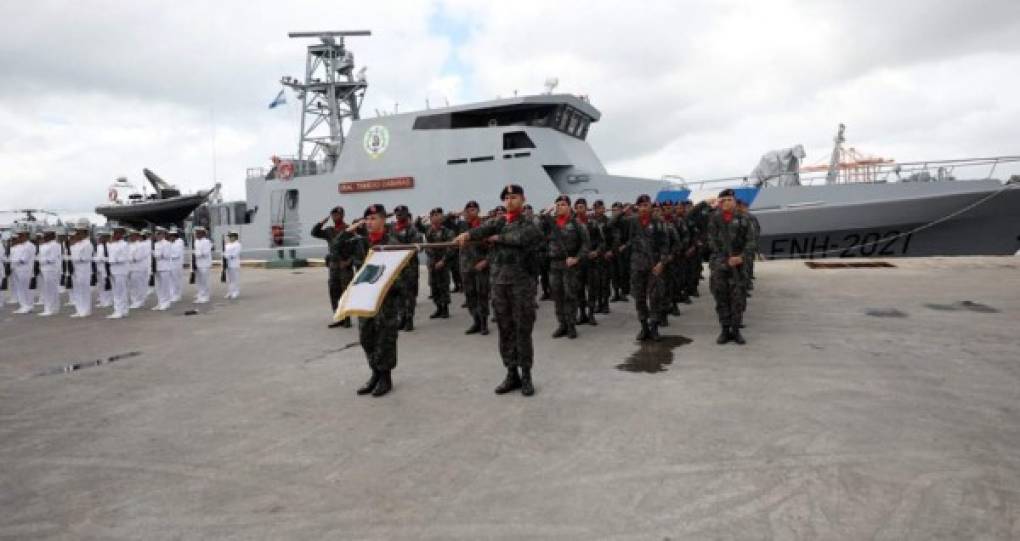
(728, 192)
(643, 198)
(581, 201)
(401, 209)
(564, 198)
(471, 204)
(375, 209)
(617, 205)
(337, 208)
(437, 210)
(511, 189)
(598, 204)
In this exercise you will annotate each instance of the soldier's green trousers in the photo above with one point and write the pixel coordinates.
(565, 285)
(439, 284)
(729, 288)
(515, 307)
(338, 280)
(476, 291)
(649, 293)
(378, 335)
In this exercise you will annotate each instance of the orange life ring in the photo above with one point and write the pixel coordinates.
(112, 194)
(286, 170)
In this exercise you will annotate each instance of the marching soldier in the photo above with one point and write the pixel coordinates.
(405, 233)
(81, 275)
(50, 257)
(514, 269)
(176, 264)
(102, 262)
(439, 262)
(163, 252)
(731, 240)
(232, 257)
(568, 249)
(22, 265)
(378, 335)
(119, 259)
(474, 272)
(341, 270)
(649, 251)
(202, 249)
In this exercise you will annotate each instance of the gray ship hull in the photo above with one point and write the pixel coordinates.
(950, 218)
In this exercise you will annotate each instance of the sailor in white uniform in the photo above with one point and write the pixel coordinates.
(50, 258)
(22, 263)
(105, 296)
(163, 252)
(120, 263)
(81, 281)
(177, 272)
(141, 266)
(202, 249)
(232, 258)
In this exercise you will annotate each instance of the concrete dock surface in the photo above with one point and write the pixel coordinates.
(868, 403)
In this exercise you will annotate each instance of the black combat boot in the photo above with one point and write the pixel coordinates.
(694, 293)
(545, 296)
(437, 313)
(409, 322)
(475, 327)
(616, 296)
(370, 384)
(560, 331)
(445, 309)
(582, 316)
(686, 299)
(571, 331)
(675, 311)
(736, 336)
(591, 317)
(485, 326)
(345, 323)
(335, 324)
(724, 336)
(663, 320)
(653, 331)
(643, 334)
(511, 383)
(385, 383)
(527, 389)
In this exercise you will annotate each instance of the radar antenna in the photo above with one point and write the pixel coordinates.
(330, 93)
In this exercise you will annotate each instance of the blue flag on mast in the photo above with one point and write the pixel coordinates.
(280, 99)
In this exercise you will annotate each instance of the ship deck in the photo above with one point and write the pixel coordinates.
(869, 402)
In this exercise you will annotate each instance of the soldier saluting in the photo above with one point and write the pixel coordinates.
(333, 230)
(731, 240)
(513, 239)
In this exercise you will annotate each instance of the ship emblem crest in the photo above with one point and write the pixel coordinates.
(377, 138)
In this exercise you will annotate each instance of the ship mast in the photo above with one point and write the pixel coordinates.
(330, 93)
(837, 151)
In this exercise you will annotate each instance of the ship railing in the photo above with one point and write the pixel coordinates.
(917, 171)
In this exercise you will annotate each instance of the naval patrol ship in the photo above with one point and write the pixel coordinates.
(447, 156)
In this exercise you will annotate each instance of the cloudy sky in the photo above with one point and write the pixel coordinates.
(93, 90)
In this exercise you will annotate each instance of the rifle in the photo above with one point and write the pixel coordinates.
(70, 268)
(191, 279)
(33, 283)
(7, 267)
(152, 261)
(223, 248)
(106, 262)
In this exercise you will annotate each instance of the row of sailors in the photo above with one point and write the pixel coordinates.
(124, 267)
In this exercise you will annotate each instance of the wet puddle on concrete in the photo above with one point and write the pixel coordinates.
(652, 357)
(76, 366)
(885, 312)
(964, 305)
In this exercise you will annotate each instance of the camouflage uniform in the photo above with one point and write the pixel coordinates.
(621, 259)
(338, 259)
(678, 272)
(565, 282)
(378, 335)
(697, 224)
(648, 245)
(591, 271)
(514, 269)
(601, 232)
(476, 282)
(409, 276)
(439, 279)
(728, 284)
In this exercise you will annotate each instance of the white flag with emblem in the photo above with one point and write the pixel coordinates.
(366, 292)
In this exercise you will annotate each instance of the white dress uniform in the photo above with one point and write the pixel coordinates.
(120, 263)
(203, 263)
(163, 252)
(232, 253)
(141, 268)
(22, 262)
(105, 296)
(81, 282)
(50, 258)
(178, 269)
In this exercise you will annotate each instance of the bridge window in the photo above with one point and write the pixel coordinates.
(516, 139)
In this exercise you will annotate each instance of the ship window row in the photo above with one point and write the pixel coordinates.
(563, 118)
